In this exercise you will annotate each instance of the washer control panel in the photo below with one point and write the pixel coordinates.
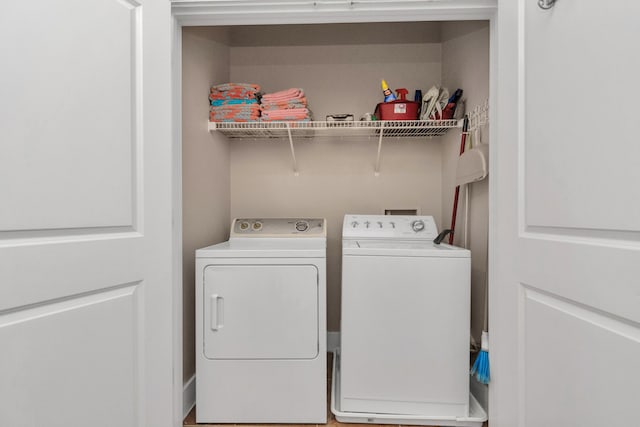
(278, 227)
(389, 226)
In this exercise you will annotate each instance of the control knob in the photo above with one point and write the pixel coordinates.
(417, 225)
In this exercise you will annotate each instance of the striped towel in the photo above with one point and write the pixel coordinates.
(220, 102)
(231, 95)
(233, 91)
(240, 112)
(250, 87)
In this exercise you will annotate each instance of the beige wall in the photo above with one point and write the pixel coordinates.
(465, 64)
(336, 175)
(205, 165)
(339, 66)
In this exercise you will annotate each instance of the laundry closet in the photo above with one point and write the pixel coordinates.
(339, 67)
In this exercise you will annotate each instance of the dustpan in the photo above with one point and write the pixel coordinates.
(473, 165)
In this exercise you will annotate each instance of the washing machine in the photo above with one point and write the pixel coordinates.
(261, 324)
(405, 320)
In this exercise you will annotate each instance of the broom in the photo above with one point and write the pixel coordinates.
(481, 366)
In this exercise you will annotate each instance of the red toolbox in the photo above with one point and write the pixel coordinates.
(398, 110)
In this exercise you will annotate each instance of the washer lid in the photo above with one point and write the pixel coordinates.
(406, 248)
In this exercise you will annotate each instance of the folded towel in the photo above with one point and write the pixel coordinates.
(230, 112)
(283, 95)
(284, 119)
(250, 87)
(284, 105)
(220, 102)
(288, 114)
(236, 108)
(229, 95)
(234, 91)
(233, 120)
(231, 117)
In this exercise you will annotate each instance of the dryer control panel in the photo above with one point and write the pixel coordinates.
(389, 227)
(279, 227)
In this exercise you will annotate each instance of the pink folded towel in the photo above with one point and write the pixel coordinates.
(288, 114)
(283, 105)
(283, 95)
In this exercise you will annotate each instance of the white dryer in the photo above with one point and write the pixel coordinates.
(261, 324)
(405, 320)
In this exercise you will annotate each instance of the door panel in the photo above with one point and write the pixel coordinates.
(580, 99)
(85, 219)
(73, 96)
(260, 312)
(91, 341)
(579, 365)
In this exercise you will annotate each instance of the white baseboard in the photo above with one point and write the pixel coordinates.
(333, 341)
(189, 396)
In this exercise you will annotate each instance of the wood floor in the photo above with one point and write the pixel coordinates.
(190, 421)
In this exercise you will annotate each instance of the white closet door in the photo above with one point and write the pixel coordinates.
(85, 231)
(565, 322)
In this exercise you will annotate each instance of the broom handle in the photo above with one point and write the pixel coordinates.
(486, 302)
(463, 140)
(486, 288)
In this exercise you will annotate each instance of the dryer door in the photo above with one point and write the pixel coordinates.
(260, 311)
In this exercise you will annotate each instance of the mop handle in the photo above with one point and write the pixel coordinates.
(463, 140)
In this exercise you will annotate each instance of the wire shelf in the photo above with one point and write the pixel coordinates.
(381, 129)
(389, 128)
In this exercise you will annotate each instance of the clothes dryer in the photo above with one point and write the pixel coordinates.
(405, 319)
(261, 324)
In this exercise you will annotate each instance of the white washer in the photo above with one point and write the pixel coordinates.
(261, 324)
(405, 319)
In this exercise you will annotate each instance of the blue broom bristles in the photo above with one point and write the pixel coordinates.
(481, 366)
